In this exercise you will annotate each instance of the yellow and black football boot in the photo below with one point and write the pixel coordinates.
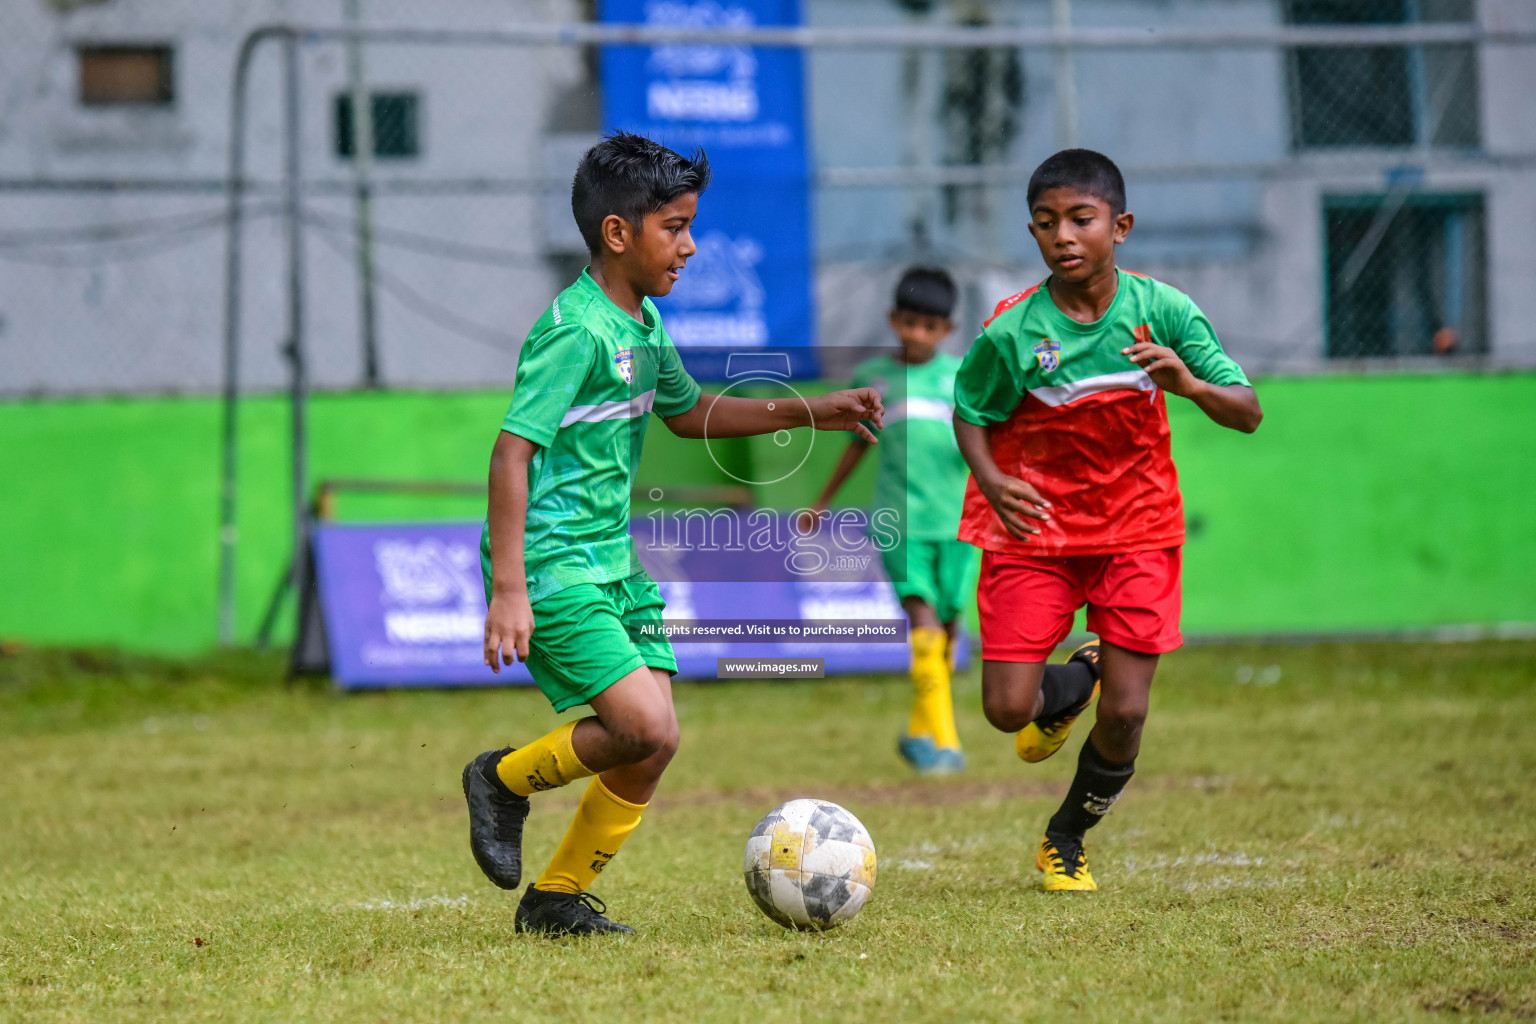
(1065, 864)
(1044, 736)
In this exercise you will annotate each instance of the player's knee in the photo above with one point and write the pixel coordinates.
(647, 735)
(668, 748)
(1123, 717)
(666, 743)
(1005, 710)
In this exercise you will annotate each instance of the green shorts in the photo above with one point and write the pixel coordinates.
(940, 572)
(584, 638)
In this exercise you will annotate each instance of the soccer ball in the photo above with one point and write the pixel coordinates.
(809, 864)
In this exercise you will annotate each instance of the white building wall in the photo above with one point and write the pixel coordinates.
(1509, 133)
(147, 315)
(1249, 246)
(156, 323)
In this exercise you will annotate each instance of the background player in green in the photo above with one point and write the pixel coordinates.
(922, 477)
(1060, 412)
(567, 594)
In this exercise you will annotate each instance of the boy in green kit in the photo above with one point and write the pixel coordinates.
(567, 593)
(921, 473)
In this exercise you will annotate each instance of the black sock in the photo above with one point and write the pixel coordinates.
(1065, 686)
(489, 773)
(1095, 787)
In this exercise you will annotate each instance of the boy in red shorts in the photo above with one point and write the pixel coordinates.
(1073, 498)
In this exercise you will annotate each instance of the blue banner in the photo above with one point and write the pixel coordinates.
(404, 604)
(749, 285)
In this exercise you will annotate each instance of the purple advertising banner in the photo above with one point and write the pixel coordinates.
(404, 605)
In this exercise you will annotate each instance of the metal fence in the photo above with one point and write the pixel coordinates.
(1326, 190)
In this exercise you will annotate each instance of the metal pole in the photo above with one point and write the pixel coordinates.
(294, 235)
(917, 148)
(1066, 77)
(362, 168)
(229, 447)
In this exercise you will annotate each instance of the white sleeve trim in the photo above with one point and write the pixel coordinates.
(627, 409)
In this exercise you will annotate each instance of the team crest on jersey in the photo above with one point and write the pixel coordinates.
(624, 361)
(1047, 354)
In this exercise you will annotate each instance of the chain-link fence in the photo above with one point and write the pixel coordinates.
(1364, 202)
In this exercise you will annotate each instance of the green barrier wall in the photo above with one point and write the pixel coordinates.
(1362, 503)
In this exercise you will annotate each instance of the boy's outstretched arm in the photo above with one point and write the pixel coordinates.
(728, 416)
(1014, 500)
(1231, 405)
(845, 467)
(509, 622)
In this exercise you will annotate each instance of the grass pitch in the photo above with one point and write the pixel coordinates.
(1342, 832)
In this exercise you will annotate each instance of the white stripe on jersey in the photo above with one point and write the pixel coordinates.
(1125, 380)
(919, 409)
(628, 409)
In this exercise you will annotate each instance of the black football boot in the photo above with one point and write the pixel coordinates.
(496, 816)
(565, 913)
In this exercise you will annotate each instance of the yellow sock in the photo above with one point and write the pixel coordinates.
(919, 724)
(602, 823)
(933, 709)
(547, 763)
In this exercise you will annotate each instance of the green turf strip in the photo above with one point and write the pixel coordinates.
(1349, 834)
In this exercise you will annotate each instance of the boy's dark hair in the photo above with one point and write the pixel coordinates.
(630, 176)
(928, 291)
(1083, 170)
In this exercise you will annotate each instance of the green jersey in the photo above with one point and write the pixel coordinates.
(920, 468)
(588, 377)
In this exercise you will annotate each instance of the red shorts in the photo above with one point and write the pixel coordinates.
(1027, 604)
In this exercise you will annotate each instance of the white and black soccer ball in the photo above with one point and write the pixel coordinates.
(810, 864)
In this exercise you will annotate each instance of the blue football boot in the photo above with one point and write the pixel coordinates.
(928, 759)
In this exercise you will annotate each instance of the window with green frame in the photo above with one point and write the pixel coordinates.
(396, 125)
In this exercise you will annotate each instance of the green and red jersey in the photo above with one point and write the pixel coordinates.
(1072, 416)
